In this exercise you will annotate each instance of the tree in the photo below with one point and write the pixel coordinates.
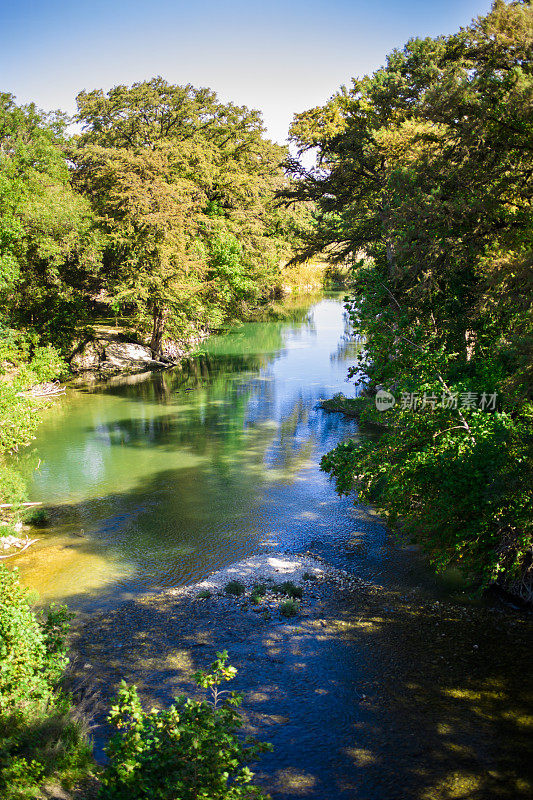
(424, 181)
(49, 249)
(172, 174)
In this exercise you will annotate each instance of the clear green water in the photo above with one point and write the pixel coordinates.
(160, 481)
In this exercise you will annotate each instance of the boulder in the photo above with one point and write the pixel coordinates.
(88, 356)
(122, 354)
(113, 357)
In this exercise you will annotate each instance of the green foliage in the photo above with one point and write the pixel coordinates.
(289, 588)
(289, 608)
(39, 738)
(19, 415)
(49, 248)
(235, 587)
(18, 419)
(258, 592)
(183, 188)
(51, 747)
(424, 185)
(190, 751)
(46, 365)
(39, 518)
(163, 208)
(32, 652)
(204, 594)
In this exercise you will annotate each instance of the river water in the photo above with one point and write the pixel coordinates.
(161, 480)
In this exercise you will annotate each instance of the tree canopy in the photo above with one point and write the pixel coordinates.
(183, 186)
(423, 182)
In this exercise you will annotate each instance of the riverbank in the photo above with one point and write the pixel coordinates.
(368, 692)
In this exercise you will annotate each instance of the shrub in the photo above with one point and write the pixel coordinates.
(39, 518)
(258, 592)
(46, 365)
(289, 608)
(204, 594)
(39, 738)
(289, 588)
(32, 652)
(235, 587)
(189, 751)
(52, 746)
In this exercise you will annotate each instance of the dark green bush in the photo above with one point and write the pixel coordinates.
(189, 751)
(258, 592)
(32, 652)
(289, 608)
(39, 518)
(235, 587)
(289, 588)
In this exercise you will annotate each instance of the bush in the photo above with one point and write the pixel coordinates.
(204, 594)
(18, 420)
(39, 518)
(39, 738)
(289, 608)
(289, 588)
(189, 751)
(235, 587)
(46, 365)
(258, 592)
(50, 747)
(32, 651)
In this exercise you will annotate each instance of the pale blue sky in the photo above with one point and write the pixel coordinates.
(280, 57)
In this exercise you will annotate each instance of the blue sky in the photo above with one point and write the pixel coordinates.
(280, 57)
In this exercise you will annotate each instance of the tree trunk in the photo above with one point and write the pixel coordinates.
(160, 315)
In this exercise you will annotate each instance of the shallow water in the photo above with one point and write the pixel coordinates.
(160, 481)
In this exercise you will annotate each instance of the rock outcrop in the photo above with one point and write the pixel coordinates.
(110, 356)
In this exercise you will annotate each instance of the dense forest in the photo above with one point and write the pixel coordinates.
(162, 208)
(172, 213)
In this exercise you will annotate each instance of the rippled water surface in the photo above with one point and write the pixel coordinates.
(160, 481)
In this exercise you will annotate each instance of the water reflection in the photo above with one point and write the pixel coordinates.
(167, 478)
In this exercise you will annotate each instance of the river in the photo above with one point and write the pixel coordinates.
(159, 481)
(407, 690)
